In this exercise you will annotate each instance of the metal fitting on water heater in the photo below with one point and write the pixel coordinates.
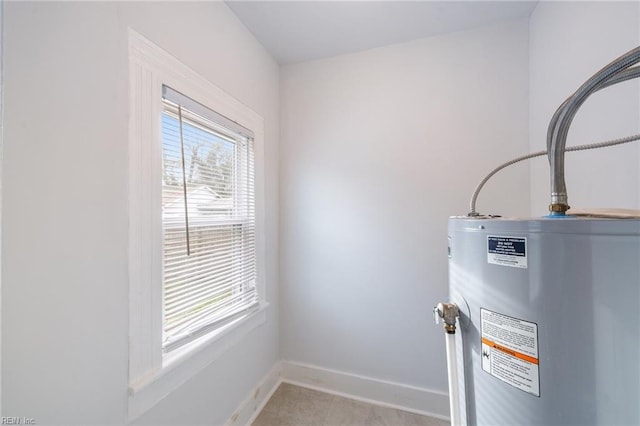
(449, 312)
(558, 203)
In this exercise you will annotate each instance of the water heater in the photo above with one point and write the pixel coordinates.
(549, 320)
(542, 324)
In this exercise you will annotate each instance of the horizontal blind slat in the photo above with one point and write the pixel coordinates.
(223, 280)
(195, 276)
(212, 313)
(187, 307)
(194, 331)
(178, 263)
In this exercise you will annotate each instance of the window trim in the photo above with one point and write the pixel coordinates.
(152, 375)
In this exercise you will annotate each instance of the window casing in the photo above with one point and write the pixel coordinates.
(159, 364)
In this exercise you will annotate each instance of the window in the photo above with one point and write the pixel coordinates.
(208, 220)
(196, 220)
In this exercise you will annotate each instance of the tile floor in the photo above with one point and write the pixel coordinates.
(297, 406)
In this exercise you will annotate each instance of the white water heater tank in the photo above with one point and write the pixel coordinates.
(549, 327)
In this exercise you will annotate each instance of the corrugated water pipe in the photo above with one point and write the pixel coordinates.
(618, 71)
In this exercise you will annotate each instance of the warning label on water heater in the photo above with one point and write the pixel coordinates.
(507, 251)
(510, 350)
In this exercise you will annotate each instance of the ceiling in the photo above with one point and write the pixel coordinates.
(297, 31)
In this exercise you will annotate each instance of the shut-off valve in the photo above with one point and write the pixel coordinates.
(448, 312)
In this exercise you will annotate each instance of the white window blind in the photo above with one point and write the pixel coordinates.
(208, 216)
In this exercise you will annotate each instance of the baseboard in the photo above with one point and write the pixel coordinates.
(251, 407)
(396, 395)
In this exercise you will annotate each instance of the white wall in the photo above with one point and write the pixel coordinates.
(377, 150)
(64, 219)
(570, 41)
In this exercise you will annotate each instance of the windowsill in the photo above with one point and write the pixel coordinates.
(183, 363)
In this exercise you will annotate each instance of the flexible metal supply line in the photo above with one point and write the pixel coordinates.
(559, 126)
(628, 74)
(620, 77)
(612, 142)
